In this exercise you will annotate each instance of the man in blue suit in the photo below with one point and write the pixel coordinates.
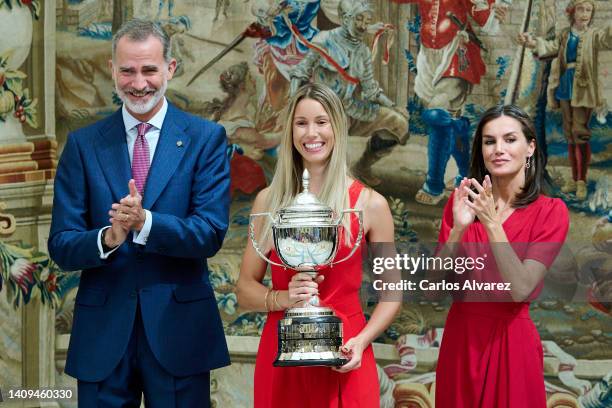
(141, 201)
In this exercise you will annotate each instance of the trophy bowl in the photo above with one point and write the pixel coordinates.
(306, 246)
(306, 239)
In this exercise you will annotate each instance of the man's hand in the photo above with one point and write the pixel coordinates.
(501, 11)
(526, 39)
(115, 235)
(129, 212)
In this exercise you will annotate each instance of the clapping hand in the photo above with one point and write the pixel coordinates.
(117, 233)
(463, 215)
(129, 211)
(483, 203)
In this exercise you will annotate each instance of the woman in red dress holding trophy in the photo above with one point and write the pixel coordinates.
(491, 353)
(316, 139)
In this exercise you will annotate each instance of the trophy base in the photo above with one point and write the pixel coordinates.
(310, 336)
(294, 361)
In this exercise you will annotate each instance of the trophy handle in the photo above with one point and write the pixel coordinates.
(254, 241)
(359, 234)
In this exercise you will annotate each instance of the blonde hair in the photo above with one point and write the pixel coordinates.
(287, 180)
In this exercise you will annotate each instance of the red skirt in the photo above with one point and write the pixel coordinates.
(491, 356)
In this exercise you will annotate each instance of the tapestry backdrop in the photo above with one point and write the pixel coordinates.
(237, 62)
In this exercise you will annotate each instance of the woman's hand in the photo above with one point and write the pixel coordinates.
(353, 349)
(302, 287)
(483, 203)
(463, 215)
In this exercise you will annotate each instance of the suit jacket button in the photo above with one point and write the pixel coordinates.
(133, 294)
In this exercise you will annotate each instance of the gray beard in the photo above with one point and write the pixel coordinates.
(142, 108)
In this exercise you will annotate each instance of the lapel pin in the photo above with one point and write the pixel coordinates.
(179, 143)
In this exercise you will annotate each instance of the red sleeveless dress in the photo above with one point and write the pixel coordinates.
(320, 387)
(491, 354)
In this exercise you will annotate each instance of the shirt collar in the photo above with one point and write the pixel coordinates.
(156, 121)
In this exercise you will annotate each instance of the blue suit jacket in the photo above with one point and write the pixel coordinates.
(187, 192)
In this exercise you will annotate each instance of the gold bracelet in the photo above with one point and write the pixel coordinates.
(275, 298)
(266, 300)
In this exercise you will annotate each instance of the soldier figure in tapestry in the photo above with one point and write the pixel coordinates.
(278, 50)
(340, 59)
(449, 64)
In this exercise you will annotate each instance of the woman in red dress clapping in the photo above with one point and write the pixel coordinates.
(491, 353)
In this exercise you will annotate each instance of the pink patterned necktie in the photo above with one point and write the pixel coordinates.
(140, 157)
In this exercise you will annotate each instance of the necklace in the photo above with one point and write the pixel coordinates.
(501, 211)
(503, 208)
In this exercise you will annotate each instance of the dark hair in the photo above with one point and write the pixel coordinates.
(140, 30)
(534, 175)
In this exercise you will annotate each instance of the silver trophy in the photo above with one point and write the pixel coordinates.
(306, 239)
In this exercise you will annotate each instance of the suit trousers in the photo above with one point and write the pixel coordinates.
(139, 373)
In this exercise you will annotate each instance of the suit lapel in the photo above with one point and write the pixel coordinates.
(171, 147)
(112, 151)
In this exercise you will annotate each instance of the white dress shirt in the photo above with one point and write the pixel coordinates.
(152, 136)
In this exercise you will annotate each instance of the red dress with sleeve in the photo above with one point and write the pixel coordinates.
(320, 387)
(491, 353)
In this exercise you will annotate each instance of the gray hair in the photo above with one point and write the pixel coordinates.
(141, 30)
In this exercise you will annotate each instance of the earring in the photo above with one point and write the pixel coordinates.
(529, 162)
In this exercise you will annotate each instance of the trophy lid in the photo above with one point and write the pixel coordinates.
(306, 208)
